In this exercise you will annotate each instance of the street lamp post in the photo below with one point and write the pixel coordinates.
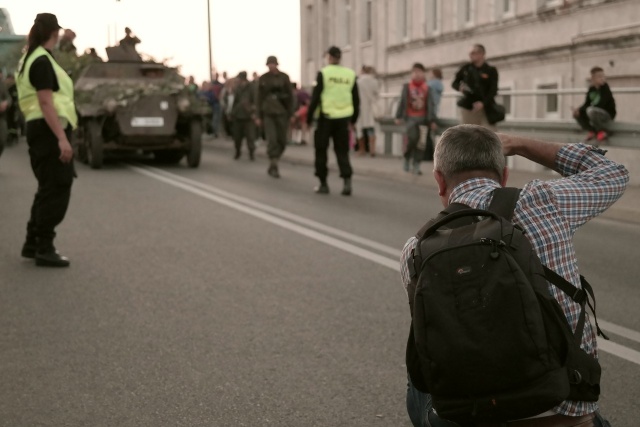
(209, 27)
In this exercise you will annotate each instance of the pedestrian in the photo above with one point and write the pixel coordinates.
(45, 94)
(599, 108)
(435, 88)
(274, 112)
(227, 99)
(300, 130)
(416, 111)
(478, 83)
(368, 90)
(13, 112)
(216, 108)
(470, 165)
(243, 115)
(336, 94)
(192, 87)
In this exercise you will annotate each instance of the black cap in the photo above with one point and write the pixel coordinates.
(272, 60)
(47, 19)
(335, 52)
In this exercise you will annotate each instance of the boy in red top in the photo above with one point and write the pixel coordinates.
(416, 110)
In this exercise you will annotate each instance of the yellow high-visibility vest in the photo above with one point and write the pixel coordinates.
(62, 99)
(337, 86)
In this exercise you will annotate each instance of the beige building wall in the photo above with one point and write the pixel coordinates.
(535, 44)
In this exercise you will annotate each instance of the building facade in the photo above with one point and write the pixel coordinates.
(535, 44)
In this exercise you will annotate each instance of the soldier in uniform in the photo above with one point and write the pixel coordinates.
(274, 111)
(243, 114)
(336, 93)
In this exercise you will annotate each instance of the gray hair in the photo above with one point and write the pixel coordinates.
(465, 148)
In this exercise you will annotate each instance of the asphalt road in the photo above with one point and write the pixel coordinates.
(221, 297)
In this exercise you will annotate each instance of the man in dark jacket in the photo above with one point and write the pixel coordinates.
(599, 107)
(243, 115)
(478, 83)
(274, 111)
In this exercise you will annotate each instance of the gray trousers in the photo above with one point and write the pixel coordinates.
(275, 130)
(415, 147)
(594, 119)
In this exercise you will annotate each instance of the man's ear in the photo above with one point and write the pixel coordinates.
(442, 183)
(505, 176)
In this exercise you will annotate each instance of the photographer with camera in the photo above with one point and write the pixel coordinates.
(478, 83)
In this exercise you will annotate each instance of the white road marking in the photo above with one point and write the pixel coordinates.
(284, 219)
(281, 213)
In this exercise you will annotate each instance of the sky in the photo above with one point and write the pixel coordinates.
(243, 32)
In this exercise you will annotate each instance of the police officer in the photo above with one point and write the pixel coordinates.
(274, 111)
(336, 93)
(45, 94)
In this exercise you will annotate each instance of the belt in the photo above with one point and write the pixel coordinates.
(552, 421)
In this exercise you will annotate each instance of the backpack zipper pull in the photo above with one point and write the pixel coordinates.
(494, 246)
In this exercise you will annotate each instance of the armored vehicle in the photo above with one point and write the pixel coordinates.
(136, 106)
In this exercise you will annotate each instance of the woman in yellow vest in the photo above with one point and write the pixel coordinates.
(45, 95)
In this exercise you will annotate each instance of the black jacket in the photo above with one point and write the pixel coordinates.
(482, 83)
(602, 98)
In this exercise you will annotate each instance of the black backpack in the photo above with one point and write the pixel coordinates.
(488, 341)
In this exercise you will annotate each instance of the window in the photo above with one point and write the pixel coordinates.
(326, 26)
(466, 13)
(403, 20)
(347, 22)
(548, 103)
(504, 98)
(432, 13)
(367, 28)
(310, 34)
(506, 9)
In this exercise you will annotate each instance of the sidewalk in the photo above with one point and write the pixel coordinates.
(627, 209)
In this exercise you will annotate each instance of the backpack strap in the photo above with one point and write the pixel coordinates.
(584, 297)
(504, 203)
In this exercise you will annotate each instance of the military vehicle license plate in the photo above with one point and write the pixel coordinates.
(147, 122)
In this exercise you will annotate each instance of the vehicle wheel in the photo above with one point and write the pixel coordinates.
(168, 157)
(94, 144)
(195, 144)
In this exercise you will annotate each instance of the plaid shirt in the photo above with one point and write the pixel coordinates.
(551, 212)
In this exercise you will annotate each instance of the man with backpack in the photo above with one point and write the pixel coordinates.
(499, 333)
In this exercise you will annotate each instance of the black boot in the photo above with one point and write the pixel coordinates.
(29, 248)
(51, 259)
(47, 256)
(237, 156)
(346, 190)
(252, 156)
(273, 169)
(323, 188)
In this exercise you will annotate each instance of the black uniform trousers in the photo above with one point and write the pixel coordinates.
(338, 131)
(54, 184)
(244, 129)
